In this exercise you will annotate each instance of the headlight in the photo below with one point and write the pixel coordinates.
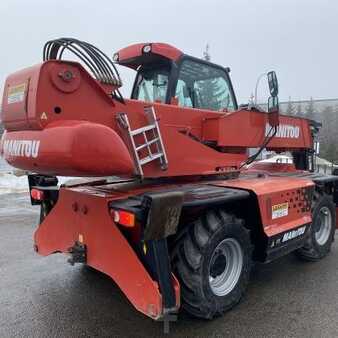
(116, 57)
(146, 49)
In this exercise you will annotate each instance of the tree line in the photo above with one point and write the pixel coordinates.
(327, 115)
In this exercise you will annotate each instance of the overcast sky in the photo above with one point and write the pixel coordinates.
(297, 38)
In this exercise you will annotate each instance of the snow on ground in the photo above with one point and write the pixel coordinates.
(15, 181)
(278, 159)
(9, 183)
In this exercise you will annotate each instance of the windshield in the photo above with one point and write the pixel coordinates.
(204, 86)
(152, 85)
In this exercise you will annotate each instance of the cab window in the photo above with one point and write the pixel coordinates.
(152, 85)
(203, 86)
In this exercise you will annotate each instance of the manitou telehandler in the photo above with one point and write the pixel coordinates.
(172, 206)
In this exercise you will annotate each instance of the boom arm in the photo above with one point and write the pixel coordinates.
(72, 123)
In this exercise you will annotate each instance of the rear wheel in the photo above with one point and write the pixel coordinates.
(321, 235)
(212, 261)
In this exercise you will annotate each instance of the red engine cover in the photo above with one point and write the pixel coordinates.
(68, 148)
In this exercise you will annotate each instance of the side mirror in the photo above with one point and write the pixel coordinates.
(273, 110)
(273, 103)
(273, 83)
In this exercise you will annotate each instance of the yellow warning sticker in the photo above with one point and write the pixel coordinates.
(280, 210)
(16, 93)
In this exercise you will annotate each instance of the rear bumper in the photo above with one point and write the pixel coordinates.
(82, 215)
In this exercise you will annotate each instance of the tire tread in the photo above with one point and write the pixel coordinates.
(188, 258)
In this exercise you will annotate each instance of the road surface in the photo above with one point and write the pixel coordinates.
(46, 297)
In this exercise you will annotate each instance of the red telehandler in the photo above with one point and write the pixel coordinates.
(172, 204)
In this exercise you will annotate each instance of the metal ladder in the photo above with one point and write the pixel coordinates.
(152, 147)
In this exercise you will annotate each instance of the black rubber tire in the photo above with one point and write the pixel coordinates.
(312, 250)
(191, 257)
(89, 269)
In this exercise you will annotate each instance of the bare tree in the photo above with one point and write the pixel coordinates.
(290, 109)
(310, 111)
(299, 111)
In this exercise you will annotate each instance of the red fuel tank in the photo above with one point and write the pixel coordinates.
(68, 148)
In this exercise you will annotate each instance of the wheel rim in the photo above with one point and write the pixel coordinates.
(225, 266)
(324, 225)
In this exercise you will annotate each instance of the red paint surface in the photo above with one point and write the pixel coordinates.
(273, 191)
(128, 56)
(75, 148)
(107, 249)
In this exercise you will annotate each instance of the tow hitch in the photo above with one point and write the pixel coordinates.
(77, 253)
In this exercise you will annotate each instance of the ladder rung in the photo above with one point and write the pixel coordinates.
(147, 144)
(155, 139)
(150, 158)
(142, 130)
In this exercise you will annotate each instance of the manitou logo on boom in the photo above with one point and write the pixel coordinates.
(284, 131)
(23, 148)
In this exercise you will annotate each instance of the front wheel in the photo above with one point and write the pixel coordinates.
(321, 235)
(212, 261)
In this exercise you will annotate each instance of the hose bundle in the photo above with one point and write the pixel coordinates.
(98, 63)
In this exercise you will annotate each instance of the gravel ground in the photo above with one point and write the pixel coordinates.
(46, 297)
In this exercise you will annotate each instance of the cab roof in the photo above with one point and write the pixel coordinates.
(142, 53)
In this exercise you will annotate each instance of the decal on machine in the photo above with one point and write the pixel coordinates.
(284, 131)
(280, 210)
(16, 93)
(43, 116)
(293, 234)
(21, 148)
(287, 236)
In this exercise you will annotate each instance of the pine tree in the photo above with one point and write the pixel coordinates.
(209, 89)
(331, 153)
(328, 136)
(206, 54)
(334, 133)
